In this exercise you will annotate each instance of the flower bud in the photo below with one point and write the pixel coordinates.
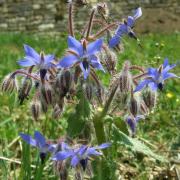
(9, 83)
(36, 109)
(88, 91)
(77, 73)
(133, 106)
(100, 94)
(143, 108)
(61, 169)
(78, 175)
(64, 82)
(102, 9)
(149, 97)
(46, 93)
(57, 111)
(24, 89)
(125, 79)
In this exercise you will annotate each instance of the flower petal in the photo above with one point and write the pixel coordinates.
(40, 139)
(104, 145)
(31, 52)
(138, 13)
(67, 61)
(121, 30)
(114, 41)
(26, 62)
(94, 47)
(64, 146)
(85, 71)
(75, 45)
(82, 150)
(62, 155)
(132, 124)
(28, 139)
(166, 63)
(130, 21)
(142, 84)
(92, 151)
(153, 86)
(48, 58)
(168, 75)
(96, 63)
(74, 161)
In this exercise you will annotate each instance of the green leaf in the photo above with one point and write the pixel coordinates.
(78, 118)
(134, 144)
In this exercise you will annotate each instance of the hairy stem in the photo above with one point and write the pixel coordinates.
(137, 68)
(25, 73)
(104, 30)
(70, 20)
(140, 76)
(90, 24)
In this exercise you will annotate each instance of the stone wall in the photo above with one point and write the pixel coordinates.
(51, 16)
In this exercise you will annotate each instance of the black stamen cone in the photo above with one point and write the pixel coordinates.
(132, 35)
(42, 157)
(83, 163)
(43, 73)
(85, 64)
(160, 86)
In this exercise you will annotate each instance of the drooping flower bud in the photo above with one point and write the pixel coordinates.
(9, 83)
(149, 97)
(57, 111)
(64, 82)
(102, 9)
(125, 79)
(24, 90)
(133, 106)
(100, 94)
(77, 74)
(78, 175)
(46, 93)
(143, 108)
(61, 169)
(88, 91)
(36, 108)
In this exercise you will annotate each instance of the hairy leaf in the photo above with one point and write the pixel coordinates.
(134, 144)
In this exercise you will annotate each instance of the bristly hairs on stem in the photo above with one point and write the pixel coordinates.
(102, 31)
(90, 24)
(25, 73)
(70, 18)
(140, 75)
(137, 68)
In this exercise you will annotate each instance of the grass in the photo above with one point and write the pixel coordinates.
(161, 128)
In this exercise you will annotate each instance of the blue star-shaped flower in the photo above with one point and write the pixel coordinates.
(156, 77)
(32, 58)
(125, 28)
(83, 54)
(132, 122)
(79, 155)
(40, 142)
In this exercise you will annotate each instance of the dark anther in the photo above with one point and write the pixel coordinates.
(42, 157)
(160, 86)
(83, 163)
(85, 64)
(43, 73)
(132, 35)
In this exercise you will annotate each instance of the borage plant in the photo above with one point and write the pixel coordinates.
(97, 114)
